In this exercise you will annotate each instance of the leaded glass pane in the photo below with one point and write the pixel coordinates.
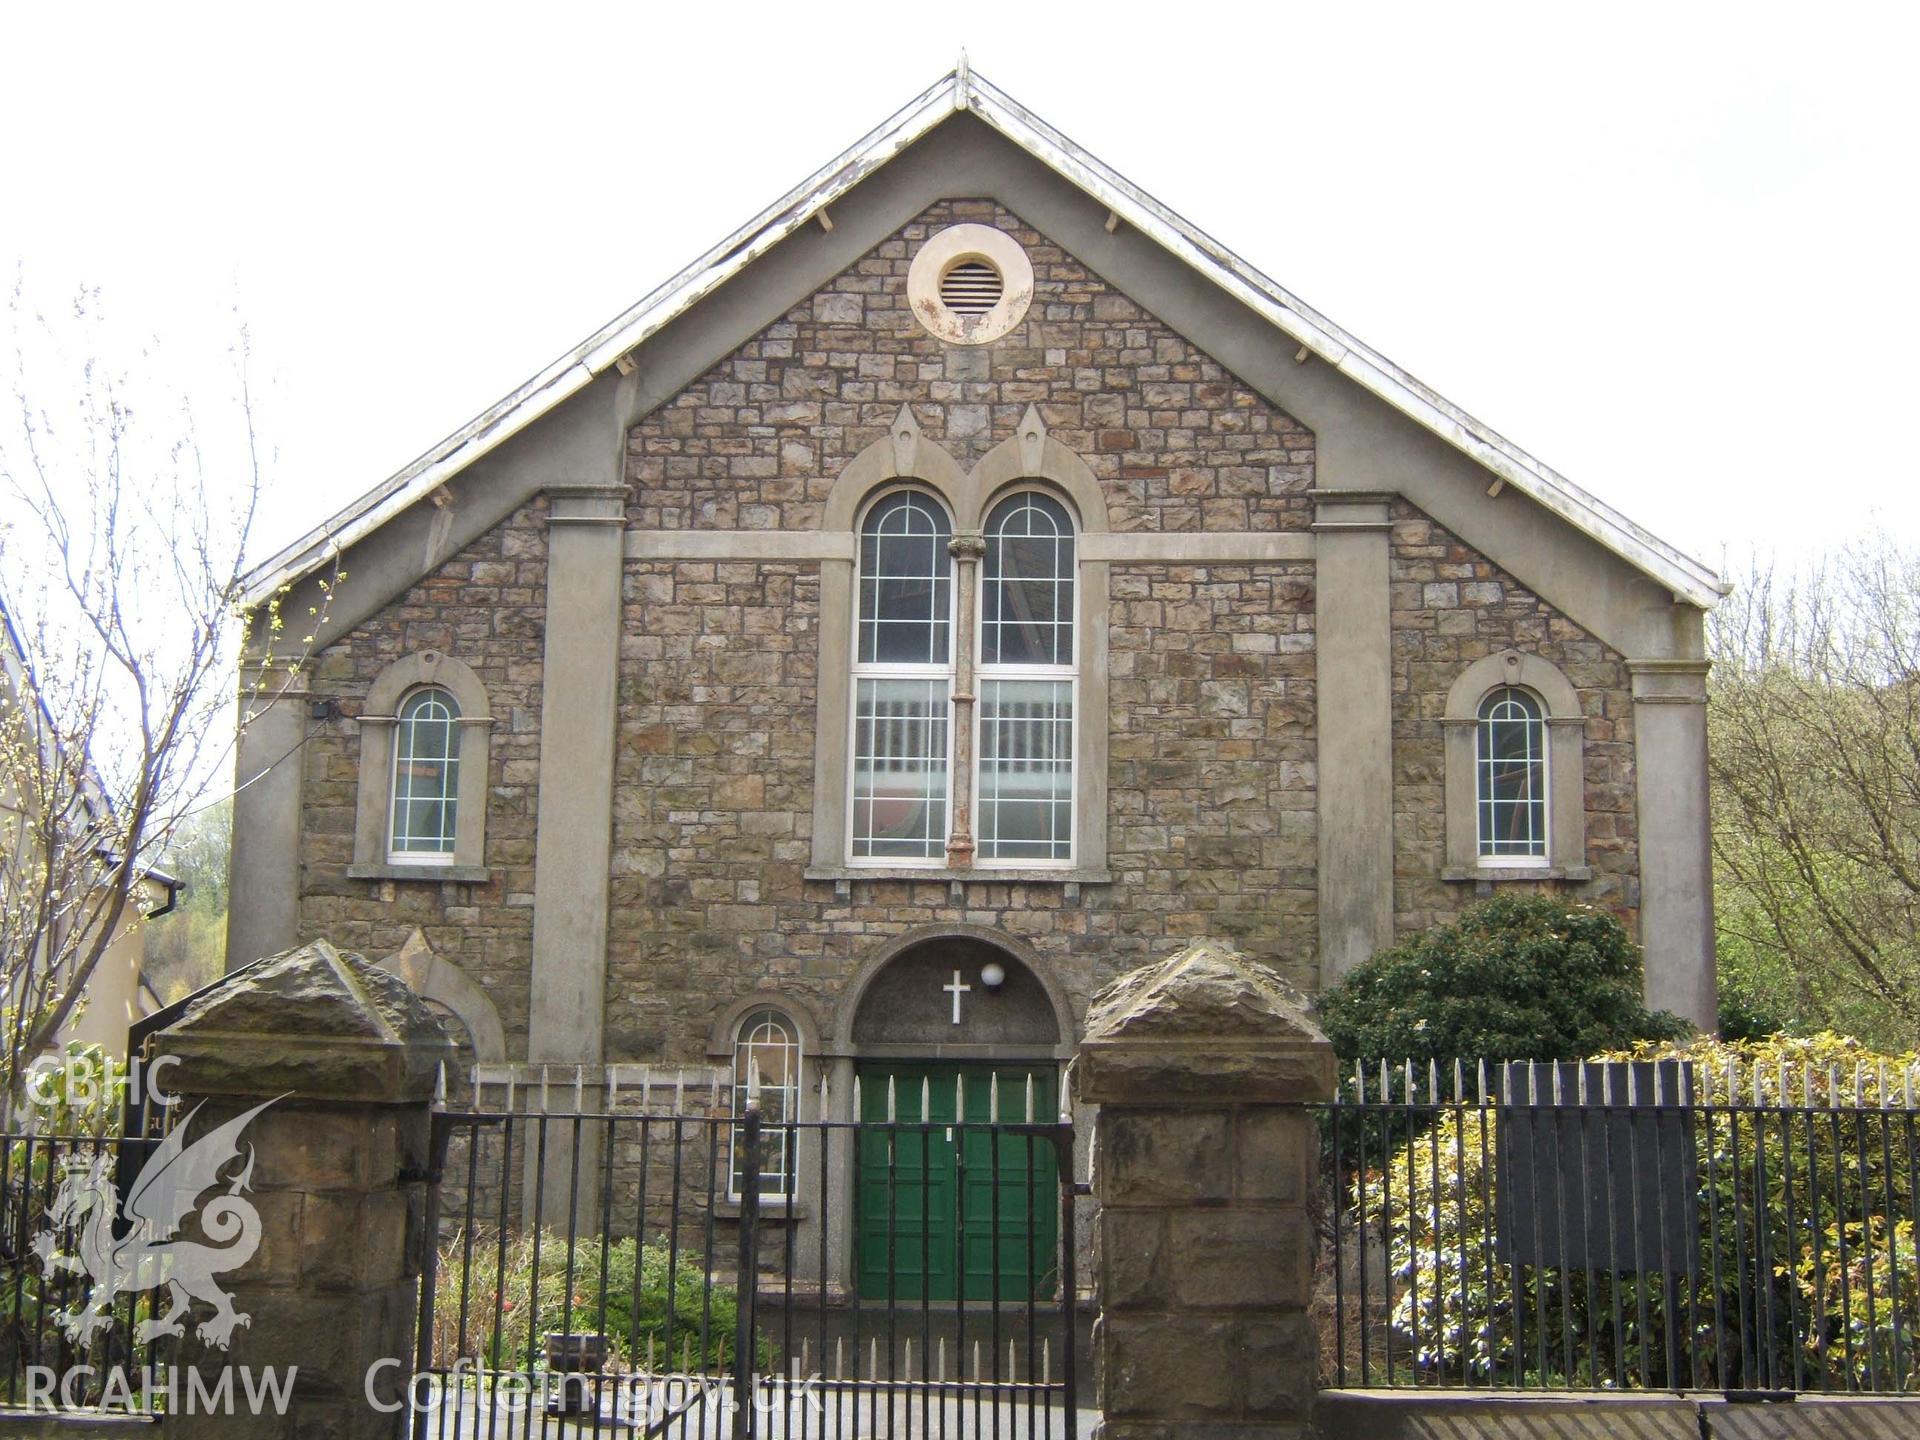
(1511, 773)
(1026, 584)
(900, 769)
(426, 775)
(1026, 770)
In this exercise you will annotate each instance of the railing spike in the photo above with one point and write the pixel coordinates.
(993, 1097)
(942, 1377)
(1480, 1078)
(1029, 1097)
(893, 1100)
(839, 1342)
(1046, 1360)
(926, 1098)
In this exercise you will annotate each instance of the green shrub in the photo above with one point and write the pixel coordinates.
(1523, 977)
(504, 1320)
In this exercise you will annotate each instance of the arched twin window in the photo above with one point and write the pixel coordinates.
(904, 677)
(426, 778)
(1510, 761)
(766, 1071)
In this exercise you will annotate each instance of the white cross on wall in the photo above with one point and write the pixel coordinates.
(956, 989)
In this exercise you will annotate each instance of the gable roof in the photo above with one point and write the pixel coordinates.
(963, 90)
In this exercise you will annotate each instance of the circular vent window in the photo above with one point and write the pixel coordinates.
(970, 284)
(972, 287)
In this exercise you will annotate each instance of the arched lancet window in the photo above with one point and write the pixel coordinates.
(1028, 673)
(903, 679)
(426, 779)
(1510, 765)
(766, 1068)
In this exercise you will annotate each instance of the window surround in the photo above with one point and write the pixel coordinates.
(1566, 857)
(378, 726)
(724, 1034)
(1030, 459)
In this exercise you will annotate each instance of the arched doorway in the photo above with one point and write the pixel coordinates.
(957, 1043)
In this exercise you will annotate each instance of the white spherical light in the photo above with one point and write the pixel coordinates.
(993, 975)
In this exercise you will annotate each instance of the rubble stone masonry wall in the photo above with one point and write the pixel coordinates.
(1211, 774)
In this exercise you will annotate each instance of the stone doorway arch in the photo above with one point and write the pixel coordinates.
(902, 1001)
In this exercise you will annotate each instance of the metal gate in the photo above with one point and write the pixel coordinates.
(628, 1271)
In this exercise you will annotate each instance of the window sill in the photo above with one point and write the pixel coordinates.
(979, 874)
(437, 874)
(772, 1207)
(1518, 872)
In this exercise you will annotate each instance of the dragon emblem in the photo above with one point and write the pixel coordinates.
(147, 1253)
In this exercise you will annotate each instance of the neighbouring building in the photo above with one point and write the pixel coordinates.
(58, 875)
(962, 584)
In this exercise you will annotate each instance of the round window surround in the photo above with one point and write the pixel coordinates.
(948, 283)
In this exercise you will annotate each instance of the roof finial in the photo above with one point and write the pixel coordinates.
(963, 82)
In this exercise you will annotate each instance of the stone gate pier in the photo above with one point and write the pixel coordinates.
(1204, 1152)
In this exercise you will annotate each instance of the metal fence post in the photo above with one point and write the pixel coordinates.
(747, 1273)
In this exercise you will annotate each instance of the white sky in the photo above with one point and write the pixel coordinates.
(1669, 250)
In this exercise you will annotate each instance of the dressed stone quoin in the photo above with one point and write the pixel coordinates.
(967, 569)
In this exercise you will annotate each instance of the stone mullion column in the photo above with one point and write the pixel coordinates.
(1353, 683)
(1203, 1068)
(967, 550)
(574, 839)
(1676, 837)
(268, 768)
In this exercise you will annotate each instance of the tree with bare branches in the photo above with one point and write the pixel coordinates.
(1815, 746)
(123, 543)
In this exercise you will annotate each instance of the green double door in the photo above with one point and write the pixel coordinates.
(945, 1211)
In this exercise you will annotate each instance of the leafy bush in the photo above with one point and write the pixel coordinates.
(1812, 1220)
(1524, 977)
(503, 1320)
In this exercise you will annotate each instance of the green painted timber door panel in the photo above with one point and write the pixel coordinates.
(919, 1189)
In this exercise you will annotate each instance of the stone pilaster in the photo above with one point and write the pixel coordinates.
(1203, 1160)
(1353, 686)
(573, 855)
(1676, 837)
(268, 767)
(338, 1058)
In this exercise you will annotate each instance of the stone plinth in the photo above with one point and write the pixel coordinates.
(339, 1059)
(1203, 1156)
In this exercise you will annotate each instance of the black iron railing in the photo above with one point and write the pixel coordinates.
(1644, 1225)
(71, 1320)
(609, 1272)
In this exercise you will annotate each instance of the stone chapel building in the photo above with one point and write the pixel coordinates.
(965, 582)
